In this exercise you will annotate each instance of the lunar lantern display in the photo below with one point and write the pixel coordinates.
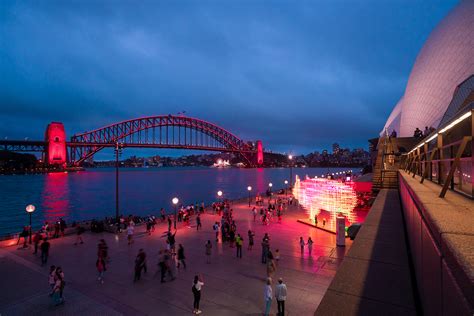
(333, 197)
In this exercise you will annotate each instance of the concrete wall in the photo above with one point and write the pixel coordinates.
(435, 268)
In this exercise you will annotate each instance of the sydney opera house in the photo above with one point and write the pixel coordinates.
(443, 68)
(414, 253)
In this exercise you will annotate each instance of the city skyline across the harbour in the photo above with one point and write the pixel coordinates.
(273, 77)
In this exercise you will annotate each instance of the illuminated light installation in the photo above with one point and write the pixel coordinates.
(322, 194)
(259, 153)
(55, 136)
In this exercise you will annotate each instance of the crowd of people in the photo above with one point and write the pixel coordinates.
(171, 258)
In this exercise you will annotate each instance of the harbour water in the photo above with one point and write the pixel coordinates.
(91, 193)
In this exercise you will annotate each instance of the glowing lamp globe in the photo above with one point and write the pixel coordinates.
(286, 181)
(290, 157)
(249, 188)
(270, 184)
(175, 200)
(219, 193)
(30, 208)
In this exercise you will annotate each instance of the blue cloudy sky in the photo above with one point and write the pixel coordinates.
(299, 75)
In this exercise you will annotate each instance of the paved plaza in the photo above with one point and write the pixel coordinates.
(232, 286)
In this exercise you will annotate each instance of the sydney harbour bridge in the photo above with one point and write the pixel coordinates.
(163, 131)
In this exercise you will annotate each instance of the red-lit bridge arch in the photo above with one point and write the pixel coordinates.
(164, 131)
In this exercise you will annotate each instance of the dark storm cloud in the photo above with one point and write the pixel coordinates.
(298, 75)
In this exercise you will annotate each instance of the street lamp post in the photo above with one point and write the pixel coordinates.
(118, 152)
(30, 209)
(290, 157)
(249, 188)
(219, 194)
(286, 187)
(175, 201)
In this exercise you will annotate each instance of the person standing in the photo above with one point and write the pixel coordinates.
(51, 278)
(171, 239)
(181, 256)
(267, 295)
(198, 222)
(254, 212)
(302, 245)
(208, 251)
(277, 255)
(239, 241)
(62, 226)
(280, 295)
(231, 238)
(100, 265)
(265, 250)
(60, 274)
(310, 246)
(169, 223)
(130, 230)
(57, 289)
(197, 287)
(44, 251)
(24, 233)
(215, 227)
(36, 240)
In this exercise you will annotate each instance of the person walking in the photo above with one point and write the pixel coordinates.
(162, 264)
(267, 295)
(302, 245)
(140, 264)
(208, 251)
(170, 264)
(130, 230)
(44, 251)
(181, 256)
(79, 231)
(251, 241)
(239, 241)
(271, 266)
(310, 246)
(100, 265)
(280, 295)
(197, 287)
(103, 250)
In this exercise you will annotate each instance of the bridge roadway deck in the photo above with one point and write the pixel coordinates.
(232, 286)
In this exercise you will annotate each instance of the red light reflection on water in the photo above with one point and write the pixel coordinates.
(55, 197)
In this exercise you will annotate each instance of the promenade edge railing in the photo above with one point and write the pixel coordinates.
(446, 157)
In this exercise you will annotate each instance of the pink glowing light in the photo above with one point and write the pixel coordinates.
(334, 197)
